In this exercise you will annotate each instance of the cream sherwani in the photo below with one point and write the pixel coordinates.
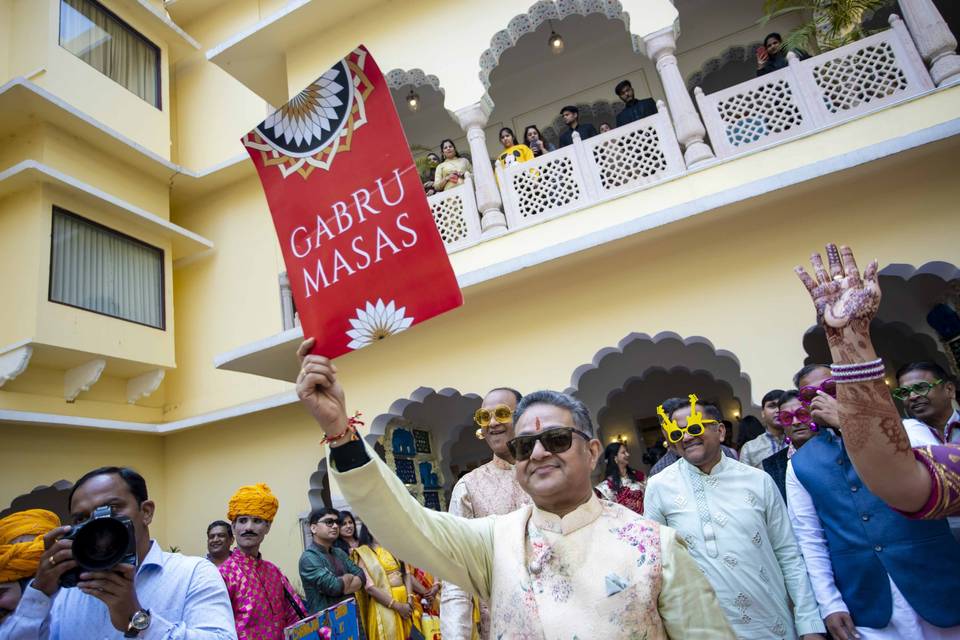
(737, 529)
(488, 490)
(601, 571)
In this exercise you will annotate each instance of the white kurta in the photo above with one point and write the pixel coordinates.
(488, 490)
(737, 529)
(601, 571)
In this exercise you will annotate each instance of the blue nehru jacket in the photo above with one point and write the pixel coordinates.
(868, 541)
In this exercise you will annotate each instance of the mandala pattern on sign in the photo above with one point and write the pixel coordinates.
(308, 132)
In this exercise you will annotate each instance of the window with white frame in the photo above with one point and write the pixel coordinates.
(100, 270)
(111, 46)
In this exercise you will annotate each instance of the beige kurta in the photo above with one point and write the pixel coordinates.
(489, 490)
(601, 571)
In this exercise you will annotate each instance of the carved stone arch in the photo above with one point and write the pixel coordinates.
(543, 11)
(50, 497)
(319, 494)
(398, 78)
(638, 352)
(445, 412)
(738, 53)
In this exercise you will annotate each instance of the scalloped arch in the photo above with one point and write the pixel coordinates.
(735, 53)
(398, 78)
(541, 12)
(591, 382)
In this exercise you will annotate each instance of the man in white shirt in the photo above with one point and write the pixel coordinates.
(770, 441)
(736, 527)
(929, 393)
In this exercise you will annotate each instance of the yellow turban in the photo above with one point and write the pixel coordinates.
(20, 560)
(253, 500)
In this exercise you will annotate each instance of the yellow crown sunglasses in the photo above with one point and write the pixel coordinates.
(696, 425)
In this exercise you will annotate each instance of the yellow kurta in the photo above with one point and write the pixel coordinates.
(601, 571)
(488, 490)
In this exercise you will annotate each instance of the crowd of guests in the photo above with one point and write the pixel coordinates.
(781, 539)
(450, 170)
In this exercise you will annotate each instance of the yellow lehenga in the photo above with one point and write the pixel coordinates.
(380, 622)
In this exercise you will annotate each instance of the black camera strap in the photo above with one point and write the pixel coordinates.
(301, 614)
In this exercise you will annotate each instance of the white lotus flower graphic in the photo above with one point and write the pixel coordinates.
(376, 322)
(310, 113)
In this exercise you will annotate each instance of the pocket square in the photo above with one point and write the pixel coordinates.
(615, 584)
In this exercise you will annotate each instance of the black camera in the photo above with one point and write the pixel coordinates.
(100, 543)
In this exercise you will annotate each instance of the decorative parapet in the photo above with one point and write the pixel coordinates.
(456, 215)
(825, 90)
(588, 172)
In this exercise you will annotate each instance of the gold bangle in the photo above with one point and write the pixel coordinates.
(392, 603)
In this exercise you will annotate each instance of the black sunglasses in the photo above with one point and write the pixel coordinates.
(553, 440)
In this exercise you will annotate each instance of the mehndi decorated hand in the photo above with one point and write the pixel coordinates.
(842, 298)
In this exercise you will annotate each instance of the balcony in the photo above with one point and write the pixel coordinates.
(842, 109)
(804, 98)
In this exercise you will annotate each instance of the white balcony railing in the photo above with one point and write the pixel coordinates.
(456, 216)
(827, 89)
(626, 159)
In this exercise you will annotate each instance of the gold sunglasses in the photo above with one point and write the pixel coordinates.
(499, 414)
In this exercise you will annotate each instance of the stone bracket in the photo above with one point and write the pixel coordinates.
(14, 362)
(81, 378)
(144, 384)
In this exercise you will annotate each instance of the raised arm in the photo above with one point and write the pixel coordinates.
(451, 548)
(873, 433)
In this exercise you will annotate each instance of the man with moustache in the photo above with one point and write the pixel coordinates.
(263, 600)
(219, 541)
(488, 490)
(567, 566)
(736, 527)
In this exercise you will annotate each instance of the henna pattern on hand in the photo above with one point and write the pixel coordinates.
(864, 405)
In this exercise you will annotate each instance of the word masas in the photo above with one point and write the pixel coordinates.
(366, 248)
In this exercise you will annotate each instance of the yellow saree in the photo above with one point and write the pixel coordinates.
(380, 622)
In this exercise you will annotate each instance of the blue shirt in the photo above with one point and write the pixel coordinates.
(186, 597)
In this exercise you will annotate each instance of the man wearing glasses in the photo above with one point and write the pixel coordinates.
(928, 393)
(488, 490)
(326, 572)
(568, 566)
(736, 527)
(851, 541)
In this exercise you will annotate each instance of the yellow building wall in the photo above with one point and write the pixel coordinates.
(35, 456)
(35, 52)
(20, 246)
(226, 300)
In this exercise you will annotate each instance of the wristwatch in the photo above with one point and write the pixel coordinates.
(139, 621)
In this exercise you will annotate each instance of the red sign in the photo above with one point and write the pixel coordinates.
(363, 255)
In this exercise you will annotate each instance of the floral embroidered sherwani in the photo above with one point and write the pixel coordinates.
(737, 529)
(256, 587)
(601, 571)
(488, 490)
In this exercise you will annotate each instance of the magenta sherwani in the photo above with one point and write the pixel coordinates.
(256, 587)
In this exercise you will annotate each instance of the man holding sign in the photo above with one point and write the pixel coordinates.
(568, 566)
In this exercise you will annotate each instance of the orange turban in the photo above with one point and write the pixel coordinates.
(253, 500)
(20, 560)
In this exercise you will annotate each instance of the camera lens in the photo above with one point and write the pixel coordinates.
(101, 544)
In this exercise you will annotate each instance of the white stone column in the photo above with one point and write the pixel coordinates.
(660, 47)
(934, 40)
(473, 119)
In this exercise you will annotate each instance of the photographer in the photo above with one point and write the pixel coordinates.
(166, 595)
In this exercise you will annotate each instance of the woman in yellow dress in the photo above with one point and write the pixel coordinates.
(512, 152)
(454, 168)
(386, 608)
